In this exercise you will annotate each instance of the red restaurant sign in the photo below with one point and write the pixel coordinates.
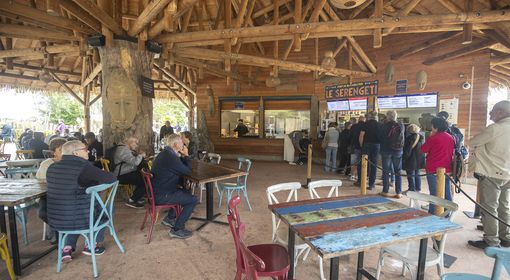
(360, 89)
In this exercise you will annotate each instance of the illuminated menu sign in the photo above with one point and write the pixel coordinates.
(340, 105)
(358, 104)
(397, 102)
(422, 101)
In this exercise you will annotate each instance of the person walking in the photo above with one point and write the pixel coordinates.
(413, 159)
(490, 163)
(330, 144)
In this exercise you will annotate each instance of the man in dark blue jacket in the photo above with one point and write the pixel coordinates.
(68, 206)
(168, 168)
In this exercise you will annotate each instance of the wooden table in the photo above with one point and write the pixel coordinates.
(14, 192)
(207, 173)
(24, 163)
(353, 224)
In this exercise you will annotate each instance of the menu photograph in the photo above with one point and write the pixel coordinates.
(358, 104)
(340, 105)
(422, 101)
(398, 102)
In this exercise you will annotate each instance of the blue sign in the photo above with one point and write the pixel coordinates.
(239, 105)
(401, 87)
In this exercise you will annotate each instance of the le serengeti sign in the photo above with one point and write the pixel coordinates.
(360, 89)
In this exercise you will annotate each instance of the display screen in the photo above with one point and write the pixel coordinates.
(390, 102)
(358, 104)
(340, 105)
(422, 101)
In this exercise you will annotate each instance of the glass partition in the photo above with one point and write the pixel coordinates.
(277, 123)
(230, 118)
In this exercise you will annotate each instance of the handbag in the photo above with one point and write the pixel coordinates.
(325, 141)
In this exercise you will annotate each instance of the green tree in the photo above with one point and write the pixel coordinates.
(63, 107)
(171, 110)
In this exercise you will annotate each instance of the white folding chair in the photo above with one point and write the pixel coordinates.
(280, 235)
(214, 159)
(408, 252)
(313, 187)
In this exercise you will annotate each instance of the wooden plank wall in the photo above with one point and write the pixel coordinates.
(443, 77)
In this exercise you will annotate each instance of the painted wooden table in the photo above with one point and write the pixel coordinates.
(207, 173)
(339, 226)
(14, 192)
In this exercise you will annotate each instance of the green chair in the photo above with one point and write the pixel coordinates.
(239, 185)
(96, 223)
(502, 256)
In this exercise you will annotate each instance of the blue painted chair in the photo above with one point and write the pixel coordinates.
(104, 219)
(502, 256)
(239, 185)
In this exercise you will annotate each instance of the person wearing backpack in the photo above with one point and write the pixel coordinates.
(370, 142)
(392, 148)
(126, 160)
(413, 159)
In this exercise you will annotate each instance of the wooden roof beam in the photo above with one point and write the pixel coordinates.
(92, 75)
(213, 70)
(500, 60)
(460, 52)
(170, 77)
(31, 78)
(424, 45)
(356, 11)
(501, 71)
(268, 9)
(103, 17)
(41, 16)
(80, 14)
(42, 51)
(500, 75)
(34, 33)
(37, 69)
(150, 12)
(403, 12)
(170, 89)
(264, 62)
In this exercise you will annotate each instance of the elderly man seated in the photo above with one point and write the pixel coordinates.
(168, 168)
(68, 204)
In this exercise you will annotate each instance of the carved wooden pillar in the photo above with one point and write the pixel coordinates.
(125, 111)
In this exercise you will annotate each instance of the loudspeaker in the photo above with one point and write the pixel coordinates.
(97, 40)
(153, 46)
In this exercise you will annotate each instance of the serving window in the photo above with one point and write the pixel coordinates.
(284, 116)
(233, 111)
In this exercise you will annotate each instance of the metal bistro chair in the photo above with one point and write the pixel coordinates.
(261, 260)
(280, 234)
(4, 158)
(104, 219)
(408, 252)
(152, 209)
(502, 257)
(127, 189)
(240, 184)
(214, 159)
(24, 154)
(333, 186)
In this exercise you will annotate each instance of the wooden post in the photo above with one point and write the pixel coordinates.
(309, 166)
(191, 119)
(125, 111)
(364, 171)
(440, 188)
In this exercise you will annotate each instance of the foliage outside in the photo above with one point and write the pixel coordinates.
(62, 107)
(169, 110)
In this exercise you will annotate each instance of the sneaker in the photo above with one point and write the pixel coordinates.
(481, 244)
(504, 243)
(98, 251)
(168, 222)
(66, 254)
(385, 194)
(398, 195)
(134, 204)
(181, 233)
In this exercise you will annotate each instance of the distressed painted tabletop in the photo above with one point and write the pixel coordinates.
(203, 172)
(344, 225)
(16, 191)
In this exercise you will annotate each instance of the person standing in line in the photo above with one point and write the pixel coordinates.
(331, 146)
(439, 147)
(356, 149)
(490, 163)
(413, 159)
(344, 145)
(391, 153)
(370, 145)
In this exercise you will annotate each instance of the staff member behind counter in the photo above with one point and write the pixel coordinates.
(241, 128)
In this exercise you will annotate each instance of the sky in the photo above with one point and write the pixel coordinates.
(18, 106)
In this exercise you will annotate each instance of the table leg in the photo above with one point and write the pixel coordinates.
(209, 201)
(334, 268)
(3, 225)
(14, 240)
(359, 274)
(422, 257)
(291, 249)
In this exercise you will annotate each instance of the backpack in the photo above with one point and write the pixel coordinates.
(395, 136)
(109, 154)
(459, 139)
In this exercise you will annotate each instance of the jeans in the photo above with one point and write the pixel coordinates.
(134, 178)
(185, 199)
(345, 159)
(495, 197)
(414, 180)
(431, 180)
(71, 239)
(356, 159)
(330, 159)
(372, 150)
(391, 164)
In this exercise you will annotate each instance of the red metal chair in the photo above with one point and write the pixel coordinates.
(153, 209)
(262, 260)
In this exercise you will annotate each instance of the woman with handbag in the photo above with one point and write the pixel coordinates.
(413, 159)
(330, 144)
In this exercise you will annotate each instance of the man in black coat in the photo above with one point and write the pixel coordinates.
(68, 205)
(165, 130)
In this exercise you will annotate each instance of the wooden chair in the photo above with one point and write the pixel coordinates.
(4, 253)
(262, 260)
(502, 257)
(152, 210)
(127, 189)
(333, 186)
(24, 154)
(408, 252)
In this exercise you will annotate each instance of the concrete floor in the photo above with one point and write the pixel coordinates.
(210, 254)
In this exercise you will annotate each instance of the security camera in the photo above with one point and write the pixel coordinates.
(466, 85)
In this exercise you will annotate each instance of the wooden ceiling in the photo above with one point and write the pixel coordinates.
(43, 42)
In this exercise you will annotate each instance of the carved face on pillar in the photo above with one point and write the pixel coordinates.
(121, 99)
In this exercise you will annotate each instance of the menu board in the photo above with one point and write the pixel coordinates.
(390, 102)
(422, 101)
(340, 105)
(358, 104)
